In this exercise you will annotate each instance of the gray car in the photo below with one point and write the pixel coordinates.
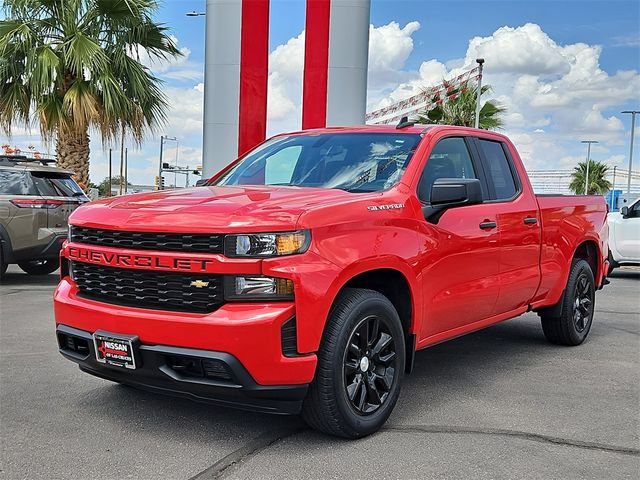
(36, 199)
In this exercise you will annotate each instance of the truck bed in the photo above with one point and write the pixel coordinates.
(565, 221)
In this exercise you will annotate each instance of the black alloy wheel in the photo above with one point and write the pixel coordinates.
(369, 365)
(582, 303)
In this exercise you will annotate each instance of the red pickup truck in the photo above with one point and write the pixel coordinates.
(304, 276)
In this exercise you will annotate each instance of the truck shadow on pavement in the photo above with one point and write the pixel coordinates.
(17, 278)
(440, 373)
(506, 378)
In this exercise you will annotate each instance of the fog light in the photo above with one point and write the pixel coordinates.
(258, 288)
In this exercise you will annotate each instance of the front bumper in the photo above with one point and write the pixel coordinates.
(48, 248)
(200, 375)
(249, 332)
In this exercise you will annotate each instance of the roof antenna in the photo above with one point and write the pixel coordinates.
(404, 123)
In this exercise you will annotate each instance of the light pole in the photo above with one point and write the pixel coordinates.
(208, 143)
(480, 67)
(586, 178)
(633, 127)
(110, 174)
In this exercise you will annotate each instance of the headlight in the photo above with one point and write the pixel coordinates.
(266, 244)
(257, 288)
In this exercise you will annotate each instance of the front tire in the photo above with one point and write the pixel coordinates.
(39, 267)
(573, 325)
(360, 366)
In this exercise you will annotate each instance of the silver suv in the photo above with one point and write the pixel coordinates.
(36, 200)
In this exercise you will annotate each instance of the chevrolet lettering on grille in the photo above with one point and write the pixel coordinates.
(134, 260)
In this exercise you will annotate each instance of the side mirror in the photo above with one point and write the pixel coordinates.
(201, 182)
(449, 193)
(624, 211)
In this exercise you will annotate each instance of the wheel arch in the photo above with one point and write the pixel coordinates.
(396, 283)
(589, 251)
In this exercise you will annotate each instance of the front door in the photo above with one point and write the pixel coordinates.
(460, 253)
(627, 234)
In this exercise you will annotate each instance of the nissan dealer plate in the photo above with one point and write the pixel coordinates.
(116, 350)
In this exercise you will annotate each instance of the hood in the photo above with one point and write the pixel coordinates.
(208, 209)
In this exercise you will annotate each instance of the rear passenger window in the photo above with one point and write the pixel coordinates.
(498, 169)
(13, 182)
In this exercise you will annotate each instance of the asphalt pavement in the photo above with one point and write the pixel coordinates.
(499, 403)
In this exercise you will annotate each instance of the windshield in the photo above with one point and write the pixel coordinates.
(355, 162)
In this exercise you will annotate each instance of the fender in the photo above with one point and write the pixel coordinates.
(387, 262)
(555, 296)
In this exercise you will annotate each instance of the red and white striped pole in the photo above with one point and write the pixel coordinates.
(336, 61)
(236, 74)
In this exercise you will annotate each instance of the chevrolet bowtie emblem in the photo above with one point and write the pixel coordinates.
(199, 284)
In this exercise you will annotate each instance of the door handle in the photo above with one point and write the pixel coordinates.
(487, 225)
(530, 220)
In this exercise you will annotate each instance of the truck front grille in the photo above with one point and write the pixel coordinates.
(149, 289)
(181, 242)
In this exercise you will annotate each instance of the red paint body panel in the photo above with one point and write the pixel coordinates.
(254, 74)
(461, 278)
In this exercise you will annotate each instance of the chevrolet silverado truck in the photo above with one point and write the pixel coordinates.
(304, 276)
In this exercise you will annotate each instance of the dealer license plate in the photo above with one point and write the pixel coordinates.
(116, 350)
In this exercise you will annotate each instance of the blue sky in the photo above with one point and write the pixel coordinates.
(563, 69)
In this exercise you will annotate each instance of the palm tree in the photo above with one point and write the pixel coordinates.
(598, 184)
(73, 65)
(461, 109)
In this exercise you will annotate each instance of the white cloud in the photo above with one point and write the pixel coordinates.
(285, 85)
(389, 47)
(553, 93)
(157, 64)
(525, 49)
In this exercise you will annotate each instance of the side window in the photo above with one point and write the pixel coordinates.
(280, 166)
(498, 169)
(14, 182)
(449, 159)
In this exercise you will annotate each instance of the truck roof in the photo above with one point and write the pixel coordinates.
(415, 129)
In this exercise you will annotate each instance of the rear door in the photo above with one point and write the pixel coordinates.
(519, 225)
(63, 190)
(460, 253)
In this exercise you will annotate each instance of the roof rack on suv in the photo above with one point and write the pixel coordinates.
(11, 159)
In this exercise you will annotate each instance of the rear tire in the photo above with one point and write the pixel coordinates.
(612, 264)
(3, 266)
(360, 366)
(39, 267)
(573, 325)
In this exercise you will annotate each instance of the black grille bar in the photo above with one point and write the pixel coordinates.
(149, 289)
(181, 242)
